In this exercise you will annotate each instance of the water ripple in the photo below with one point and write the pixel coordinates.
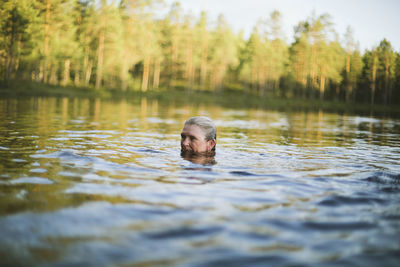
(89, 182)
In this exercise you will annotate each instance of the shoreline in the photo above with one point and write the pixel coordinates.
(227, 98)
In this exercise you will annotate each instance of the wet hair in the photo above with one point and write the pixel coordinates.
(206, 124)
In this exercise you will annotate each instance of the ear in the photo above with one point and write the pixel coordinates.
(211, 144)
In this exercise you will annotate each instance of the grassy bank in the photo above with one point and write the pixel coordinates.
(228, 98)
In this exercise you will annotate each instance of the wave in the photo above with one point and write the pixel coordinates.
(383, 177)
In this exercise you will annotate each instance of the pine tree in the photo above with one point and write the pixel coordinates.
(279, 53)
(223, 52)
(386, 69)
(396, 86)
(15, 30)
(300, 60)
(252, 61)
(370, 62)
(202, 39)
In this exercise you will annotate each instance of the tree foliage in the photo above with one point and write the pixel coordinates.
(128, 45)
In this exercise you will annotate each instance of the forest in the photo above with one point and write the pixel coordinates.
(131, 45)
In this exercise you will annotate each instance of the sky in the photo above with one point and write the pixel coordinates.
(371, 20)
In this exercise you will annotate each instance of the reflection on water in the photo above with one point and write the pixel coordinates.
(202, 159)
(100, 183)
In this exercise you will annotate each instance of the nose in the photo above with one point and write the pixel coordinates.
(185, 142)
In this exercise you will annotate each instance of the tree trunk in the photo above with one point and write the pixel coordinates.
(86, 63)
(88, 72)
(348, 86)
(100, 55)
(77, 77)
(11, 46)
(156, 75)
(386, 81)
(220, 78)
(253, 81)
(41, 74)
(203, 65)
(189, 65)
(349, 91)
(46, 42)
(390, 91)
(67, 64)
(146, 71)
(313, 74)
(373, 78)
(9, 61)
(174, 62)
(53, 75)
(124, 74)
(322, 86)
(262, 81)
(337, 92)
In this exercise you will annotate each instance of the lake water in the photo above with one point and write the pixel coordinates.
(90, 182)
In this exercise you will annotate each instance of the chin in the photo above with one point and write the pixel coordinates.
(188, 152)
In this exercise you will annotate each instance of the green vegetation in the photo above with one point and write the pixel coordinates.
(179, 96)
(125, 47)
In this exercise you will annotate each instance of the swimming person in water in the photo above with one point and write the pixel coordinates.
(198, 140)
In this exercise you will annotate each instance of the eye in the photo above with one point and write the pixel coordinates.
(192, 138)
(182, 136)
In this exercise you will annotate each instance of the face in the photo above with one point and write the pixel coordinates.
(194, 140)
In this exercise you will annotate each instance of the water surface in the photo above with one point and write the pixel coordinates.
(92, 182)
